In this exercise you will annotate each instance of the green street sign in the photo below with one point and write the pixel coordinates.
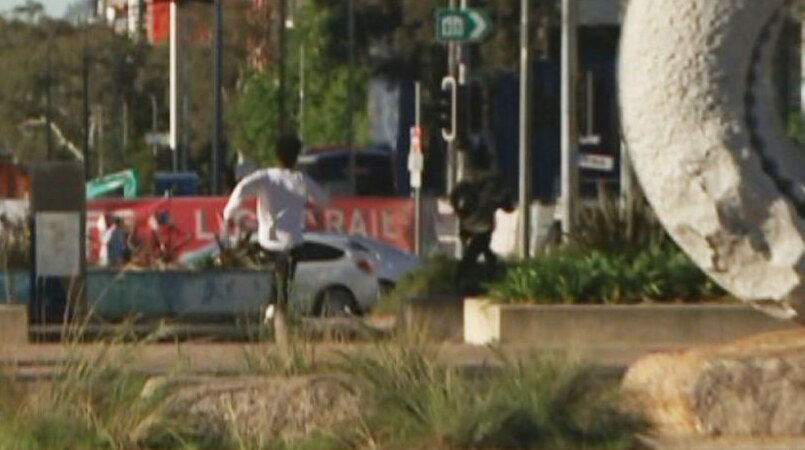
(462, 25)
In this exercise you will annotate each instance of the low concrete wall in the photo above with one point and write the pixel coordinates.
(617, 325)
(438, 317)
(207, 294)
(13, 324)
(179, 294)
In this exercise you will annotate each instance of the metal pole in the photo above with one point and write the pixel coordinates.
(462, 51)
(85, 111)
(281, 119)
(215, 166)
(154, 123)
(627, 184)
(418, 190)
(173, 136)
(353, 182)
(100, 144)
(452, 171)
(49, 101)
(302, 92)
(525, 135)
(125, 123)
(570, 136)
(186, 88)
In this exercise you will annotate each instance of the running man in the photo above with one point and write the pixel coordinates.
(282, 194)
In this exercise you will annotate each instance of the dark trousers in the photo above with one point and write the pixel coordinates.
(282, 268)
(475, 245)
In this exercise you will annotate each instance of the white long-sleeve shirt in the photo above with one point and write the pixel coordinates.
(281, 198)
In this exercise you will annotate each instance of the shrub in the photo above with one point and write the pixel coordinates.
(91, 403)
(438, 276)
(574, 275)
(612, 225)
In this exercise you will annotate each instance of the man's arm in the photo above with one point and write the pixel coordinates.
(246, 188)
(460, 197)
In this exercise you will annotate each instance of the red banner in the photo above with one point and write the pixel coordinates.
(178, 230)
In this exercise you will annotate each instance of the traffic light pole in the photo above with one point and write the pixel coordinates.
(452, 68)
(462, 128)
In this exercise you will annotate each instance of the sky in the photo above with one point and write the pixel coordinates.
(55, 8)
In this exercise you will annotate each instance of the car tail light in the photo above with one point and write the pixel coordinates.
(364, 266)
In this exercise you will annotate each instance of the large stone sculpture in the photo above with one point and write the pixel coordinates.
(708, 146)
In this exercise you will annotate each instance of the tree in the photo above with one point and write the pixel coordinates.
(324, 122)
(124, 75)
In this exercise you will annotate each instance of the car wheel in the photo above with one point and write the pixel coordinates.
(335, 302)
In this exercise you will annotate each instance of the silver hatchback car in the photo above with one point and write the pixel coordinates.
(335, 275)
(340, 273)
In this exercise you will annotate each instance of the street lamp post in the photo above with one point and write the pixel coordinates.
(174, 135)
(525, 135)
(85, 112)
(154, 112)
(215, 165)
(49, 98)
(353, 182)
(177, 128)
(570, 136)
(281, 119)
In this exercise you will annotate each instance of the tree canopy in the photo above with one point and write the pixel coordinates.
(393, 40)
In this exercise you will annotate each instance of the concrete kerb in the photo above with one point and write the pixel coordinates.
(579, 326)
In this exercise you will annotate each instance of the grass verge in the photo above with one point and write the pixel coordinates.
(410, 400)
(539, 402)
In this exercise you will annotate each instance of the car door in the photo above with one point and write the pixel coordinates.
(319, 265)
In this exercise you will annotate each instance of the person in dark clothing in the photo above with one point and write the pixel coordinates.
(475, 201)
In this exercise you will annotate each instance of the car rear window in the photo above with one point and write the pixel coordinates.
(313, 251)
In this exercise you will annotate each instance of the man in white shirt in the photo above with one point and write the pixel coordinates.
(282, 193)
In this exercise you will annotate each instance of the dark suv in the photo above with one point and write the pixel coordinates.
(330, 166)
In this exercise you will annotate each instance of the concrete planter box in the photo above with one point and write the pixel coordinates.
(196, 295)
(439, 317)
(661, 326)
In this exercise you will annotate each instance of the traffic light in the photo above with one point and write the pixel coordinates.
(448, 96)
(445, 110)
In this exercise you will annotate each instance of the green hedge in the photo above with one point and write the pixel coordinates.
(574, 275)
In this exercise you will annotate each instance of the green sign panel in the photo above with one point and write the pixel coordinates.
(462, 25)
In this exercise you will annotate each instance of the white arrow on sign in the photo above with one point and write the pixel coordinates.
(480, 24)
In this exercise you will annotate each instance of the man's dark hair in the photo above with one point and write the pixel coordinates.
(288, 147)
